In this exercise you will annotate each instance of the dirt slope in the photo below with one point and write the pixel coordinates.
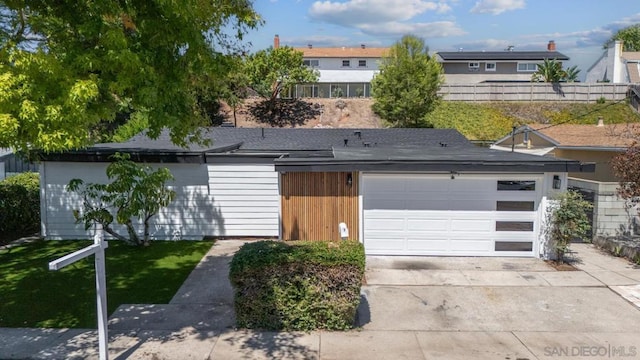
(333, 113)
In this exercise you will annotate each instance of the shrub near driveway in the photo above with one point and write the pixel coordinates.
(298, 286)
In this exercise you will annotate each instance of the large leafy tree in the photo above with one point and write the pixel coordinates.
(630, 37)
(68, 66)
(406, 89)
(271, 70)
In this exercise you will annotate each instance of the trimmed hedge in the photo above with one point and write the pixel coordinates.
(299, 286)
(19, 206)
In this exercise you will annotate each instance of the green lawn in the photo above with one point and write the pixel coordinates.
(33, 296)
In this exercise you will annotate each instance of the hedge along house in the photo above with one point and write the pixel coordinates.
(400, 191)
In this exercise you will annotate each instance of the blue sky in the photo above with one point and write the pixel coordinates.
(579, 28)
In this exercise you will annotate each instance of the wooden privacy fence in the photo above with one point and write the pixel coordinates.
(572, 92)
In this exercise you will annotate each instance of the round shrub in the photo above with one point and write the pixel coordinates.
(297, 287)
(19, 205)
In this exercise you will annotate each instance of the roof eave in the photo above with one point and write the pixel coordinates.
(438, 166)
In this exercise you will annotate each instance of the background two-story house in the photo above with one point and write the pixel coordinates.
(470, 67)
(344, 71)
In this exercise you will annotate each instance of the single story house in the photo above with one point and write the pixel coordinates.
(615, 66)
(399, 191)
(470, 67)
(598, 144)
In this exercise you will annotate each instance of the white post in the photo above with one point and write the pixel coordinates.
(101, 294)
(97, 249)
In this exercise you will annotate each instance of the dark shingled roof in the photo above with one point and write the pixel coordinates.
(501, 55)
(432, 159)
(325, 150)
(279, 140)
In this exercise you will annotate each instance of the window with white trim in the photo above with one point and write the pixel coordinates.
(527, 66)
(362, 63)
(474, 66)
(490, 66)
(311, 63)
(346, 63)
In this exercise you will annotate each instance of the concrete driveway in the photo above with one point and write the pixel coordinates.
(412, 308)
(506, 308)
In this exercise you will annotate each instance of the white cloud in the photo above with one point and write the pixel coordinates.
(386, 17)
(496, 7)
(426, 30)
(372, 11)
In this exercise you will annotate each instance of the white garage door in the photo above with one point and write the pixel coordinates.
(470, 215)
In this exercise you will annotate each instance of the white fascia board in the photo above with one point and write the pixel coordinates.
(538, 151)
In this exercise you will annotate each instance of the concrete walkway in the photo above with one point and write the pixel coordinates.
(412, 308)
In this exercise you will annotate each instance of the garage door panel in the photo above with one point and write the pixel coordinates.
(427, 224)
(472, 225)
(387, 243)
(462, 245)
(384, 224)
(432, 214)
(427, 245)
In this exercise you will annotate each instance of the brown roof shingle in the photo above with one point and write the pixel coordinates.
(610, 135)
(343, 52)
(631, 55)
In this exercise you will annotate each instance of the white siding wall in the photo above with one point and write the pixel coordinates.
(246, 197)
(201, 207)
(336, 63)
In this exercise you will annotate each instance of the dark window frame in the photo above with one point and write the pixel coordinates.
(508, 205)
(509, 225)
(512, 185)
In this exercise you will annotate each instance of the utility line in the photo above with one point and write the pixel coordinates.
(574, 118)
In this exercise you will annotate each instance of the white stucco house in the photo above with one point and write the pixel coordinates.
(615, 66)
(344, 71)
(399, 191)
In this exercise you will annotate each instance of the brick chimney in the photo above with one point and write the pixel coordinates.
(276, 41)
(551, 46)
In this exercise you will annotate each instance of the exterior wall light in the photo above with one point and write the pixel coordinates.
(349, 179)
(556, 182)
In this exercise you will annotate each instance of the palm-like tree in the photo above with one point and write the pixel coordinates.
(572, 73)
(550, 70)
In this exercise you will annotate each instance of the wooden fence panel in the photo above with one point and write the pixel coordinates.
(573, 92)
(314, 203)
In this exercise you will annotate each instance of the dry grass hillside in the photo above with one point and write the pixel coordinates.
(477, 121)
(330, 113)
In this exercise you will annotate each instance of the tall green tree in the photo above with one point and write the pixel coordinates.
(571, 73)
(66, 66)
(272, 70)
(630, 37)
(406, 89)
